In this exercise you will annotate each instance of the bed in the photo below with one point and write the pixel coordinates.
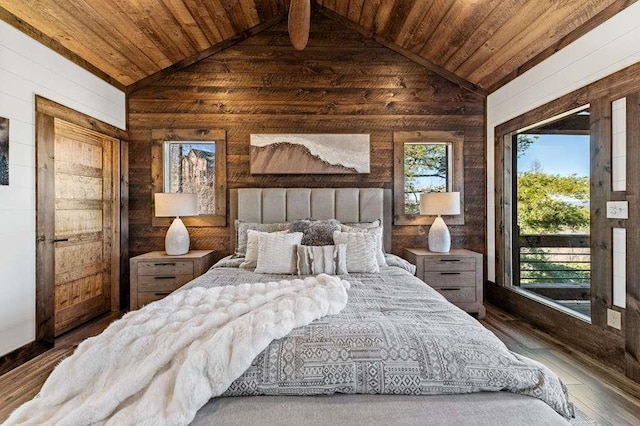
(393, 351)
(279, 403)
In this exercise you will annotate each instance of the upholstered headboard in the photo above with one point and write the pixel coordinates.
(270, 205)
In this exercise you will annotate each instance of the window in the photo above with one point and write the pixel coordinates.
(425, 162)
(426, 169)
(189, 166)
(547, 187)
(192, 161)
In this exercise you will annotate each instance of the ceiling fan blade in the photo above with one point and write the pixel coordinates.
(299, 17)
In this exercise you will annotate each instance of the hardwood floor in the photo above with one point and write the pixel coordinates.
(603, 394)
(23, 383)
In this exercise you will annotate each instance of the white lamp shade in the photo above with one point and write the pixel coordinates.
(440, 203)
(176, 204)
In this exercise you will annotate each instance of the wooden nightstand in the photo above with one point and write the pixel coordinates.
(154, 275)
(457, 275)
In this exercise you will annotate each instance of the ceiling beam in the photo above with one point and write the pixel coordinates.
(596, 20)
(218, 47)
(448, 75)
(57, 47)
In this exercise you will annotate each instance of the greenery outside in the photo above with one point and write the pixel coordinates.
(552, 204)
(426, 168)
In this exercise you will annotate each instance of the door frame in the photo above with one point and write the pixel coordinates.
(46, 112)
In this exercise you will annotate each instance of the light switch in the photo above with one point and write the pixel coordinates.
(617, 210)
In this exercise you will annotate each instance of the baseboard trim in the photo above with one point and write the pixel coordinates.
(23, 354)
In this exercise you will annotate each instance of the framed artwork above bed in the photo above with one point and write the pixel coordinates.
(310, 154)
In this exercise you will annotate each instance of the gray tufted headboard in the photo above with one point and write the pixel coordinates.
(269, 205)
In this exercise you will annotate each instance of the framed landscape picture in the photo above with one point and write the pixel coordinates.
(4, 151)
(310, 154)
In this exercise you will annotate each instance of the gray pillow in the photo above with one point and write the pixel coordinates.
(393, 260)
(243, 227)
(362, 225)
(316, 232)
(313, 260)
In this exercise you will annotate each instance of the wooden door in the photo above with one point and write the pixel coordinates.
(84, 189)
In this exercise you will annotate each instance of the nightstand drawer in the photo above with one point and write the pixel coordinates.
(457, 275)
(154, 275)
(146, 297)
(450, 279)
(162, 282)
(458, 294)
(166, 268)
(450, 264)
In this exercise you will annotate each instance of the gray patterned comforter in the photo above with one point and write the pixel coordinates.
(395, 336)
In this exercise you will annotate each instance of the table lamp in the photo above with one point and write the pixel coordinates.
(176, 241)
(436, 204)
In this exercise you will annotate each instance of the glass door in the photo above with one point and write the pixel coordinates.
(551, 179)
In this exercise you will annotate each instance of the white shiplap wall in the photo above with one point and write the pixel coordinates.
(610, 47)
(28, 68)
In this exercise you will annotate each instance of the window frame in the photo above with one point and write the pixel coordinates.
(456, 139)
(219, 136)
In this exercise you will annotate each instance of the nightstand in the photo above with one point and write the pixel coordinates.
(456, 275)
(154, 275)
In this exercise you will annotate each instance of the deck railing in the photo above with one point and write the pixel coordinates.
(555, 263)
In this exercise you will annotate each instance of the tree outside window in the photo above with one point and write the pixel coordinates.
(426, 169)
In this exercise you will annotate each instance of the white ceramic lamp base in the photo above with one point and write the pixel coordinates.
(177, 240)
(439, 237)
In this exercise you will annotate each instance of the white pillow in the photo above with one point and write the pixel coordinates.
(362, 248)
(251, 255)
(377, 231)
(314, 260)
(277, 253)
(243, 227)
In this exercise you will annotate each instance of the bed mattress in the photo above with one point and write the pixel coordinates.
(486, 408)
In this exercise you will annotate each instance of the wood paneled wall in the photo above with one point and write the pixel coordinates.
(343, 82)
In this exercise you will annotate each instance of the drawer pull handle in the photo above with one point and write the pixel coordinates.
(60, 240)
(165, 264)
(164, 278)
(450, 289)
(450, 273)
(449, 260)
(162, 293)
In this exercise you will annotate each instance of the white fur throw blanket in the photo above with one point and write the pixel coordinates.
(160, 364)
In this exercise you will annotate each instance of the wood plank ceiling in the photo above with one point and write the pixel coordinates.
(485, 42)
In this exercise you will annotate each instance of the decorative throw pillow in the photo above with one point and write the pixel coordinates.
(363, 225)
(277, 253)
(398, 262)
(377, 231)
(316, 232)
(361, 250)
(313, 260)
(251, 255)
(243, 227)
